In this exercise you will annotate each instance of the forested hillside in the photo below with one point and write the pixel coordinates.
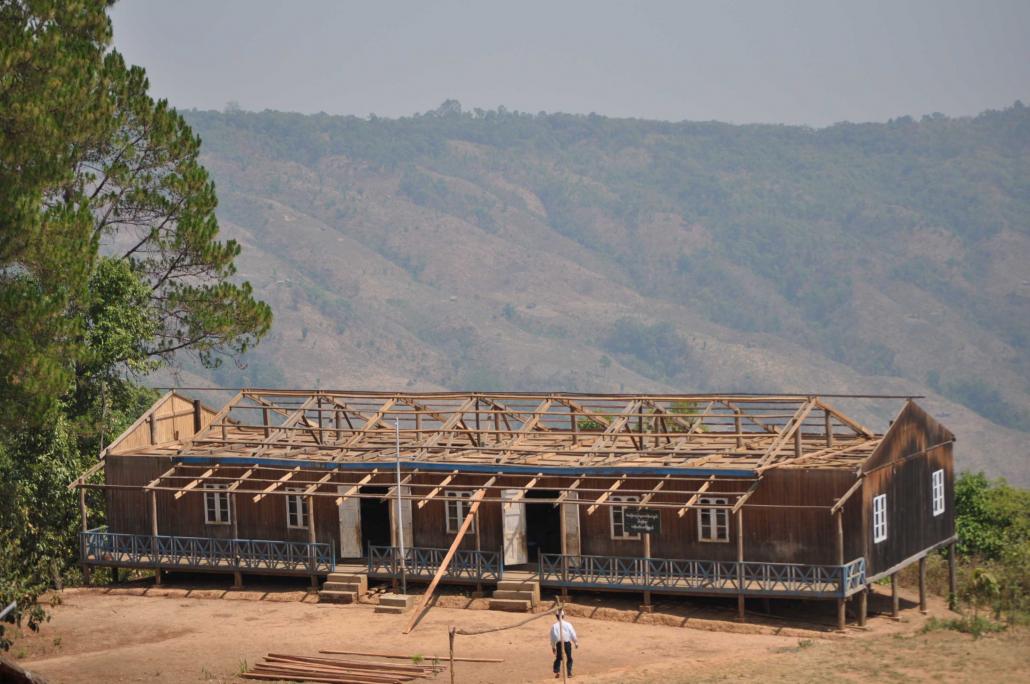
(493, 249)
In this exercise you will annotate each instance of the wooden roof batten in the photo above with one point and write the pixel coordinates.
(732, 434)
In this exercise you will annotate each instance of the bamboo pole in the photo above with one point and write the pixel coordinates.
(740, 565)
(153, 537)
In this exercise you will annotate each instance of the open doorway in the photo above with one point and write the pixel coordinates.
(543, 524)
(375, 519)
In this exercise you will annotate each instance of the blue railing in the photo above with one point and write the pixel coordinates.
(100, 547)
(423, 562)
(702, 576)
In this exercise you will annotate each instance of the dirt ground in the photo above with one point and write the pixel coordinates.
(201, 633)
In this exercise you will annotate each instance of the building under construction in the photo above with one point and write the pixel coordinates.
(733, 495)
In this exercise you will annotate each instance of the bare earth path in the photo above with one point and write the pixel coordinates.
(97, 636)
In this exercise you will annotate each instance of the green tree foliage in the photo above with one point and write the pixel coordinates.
(52, 103)
(110, 265)
(992, 519)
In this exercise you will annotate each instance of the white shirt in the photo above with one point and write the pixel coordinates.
(569, 632)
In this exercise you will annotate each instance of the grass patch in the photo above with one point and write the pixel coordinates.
(976, 625)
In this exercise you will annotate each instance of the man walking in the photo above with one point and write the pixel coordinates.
(563, 636)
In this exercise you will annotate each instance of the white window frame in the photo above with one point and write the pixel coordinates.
(217, 507)
(617, 519)
(937, 491)
(297, 503)
(713, 524)
(456, 508)
(879, 518)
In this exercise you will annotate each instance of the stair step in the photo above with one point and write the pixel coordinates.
(333, 585)
(347, 577)
(337, 597)
(511, 605)
(518, 585)
(512, 594)
(393, 610)
(397, 601)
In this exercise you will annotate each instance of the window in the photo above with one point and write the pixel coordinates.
(296, 509)
(880, 518)
(618, 518)
(216, 505)
(457, 509)
(937, 489)
(713, 524)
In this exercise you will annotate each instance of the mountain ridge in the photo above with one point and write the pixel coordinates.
(491, 250)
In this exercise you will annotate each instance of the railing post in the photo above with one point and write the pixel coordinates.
(154, 557)
(841, 617)
(740, 564)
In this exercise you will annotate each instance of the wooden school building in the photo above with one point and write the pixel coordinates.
(734, 495)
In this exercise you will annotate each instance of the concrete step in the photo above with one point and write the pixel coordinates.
(519, 585)
(517, 595)
(347, 577)
(397, 601)
(356, 587)
(393, 610)
(511, 605)
(337, 596)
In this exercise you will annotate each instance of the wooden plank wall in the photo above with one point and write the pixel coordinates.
(173, 421)
(772, 535)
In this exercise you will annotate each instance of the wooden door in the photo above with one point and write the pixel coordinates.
(514, 519)
(571, 544)
(350, 526)
(406, 526)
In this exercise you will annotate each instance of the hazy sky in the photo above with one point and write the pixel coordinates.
(794, 62)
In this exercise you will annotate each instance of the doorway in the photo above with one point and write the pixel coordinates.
(375, 519)
(543, 524)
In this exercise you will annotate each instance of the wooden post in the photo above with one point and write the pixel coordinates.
(237, 576)
(153, 537)
(952, 583)
(863, 605)
(829, 428)
(479, 556)
(198, 416)
(87, 572)
(797, 442)
(564, 664)
(152, 422)
(841, 617)
(894, 595)
(450, 643)
(647, 607)
(311, 540)
(564, 552)
(740, 564)
(738, 426)
(922, 585)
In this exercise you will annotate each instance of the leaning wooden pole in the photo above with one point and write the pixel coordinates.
(841, 617)
(477, 499)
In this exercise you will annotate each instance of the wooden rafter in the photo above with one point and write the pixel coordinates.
(693, 500)
(436, 490)
(193, 484)
(604, 495)
(277, 484)
(354, 489)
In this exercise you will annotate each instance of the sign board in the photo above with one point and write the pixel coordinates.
(645, 520)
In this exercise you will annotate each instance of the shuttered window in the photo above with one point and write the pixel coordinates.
(880, 518)
(216, 505)
(296, 510)
(713, 524)
(457, 509)
(617, 518)
(937, 490)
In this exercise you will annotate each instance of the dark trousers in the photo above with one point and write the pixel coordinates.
(568, 657)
